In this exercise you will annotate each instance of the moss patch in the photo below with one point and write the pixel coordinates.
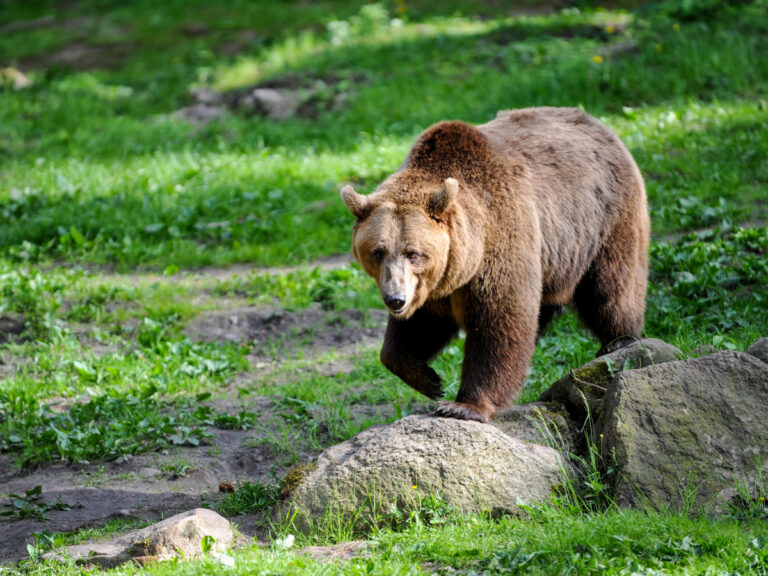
(588, 377)
(294, 478)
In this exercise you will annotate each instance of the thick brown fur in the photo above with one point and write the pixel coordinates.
(493, 228)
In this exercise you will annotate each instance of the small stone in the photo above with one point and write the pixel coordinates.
(226, 487)
(148, 473)
(16, 77)
(177, 537)
(200, 114)
(207, 97)
(338, 552)
(274, 103)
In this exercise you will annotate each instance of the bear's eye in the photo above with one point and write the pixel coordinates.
(412, 255)
(378, 254)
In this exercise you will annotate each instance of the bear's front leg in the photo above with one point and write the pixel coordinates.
(410, 344)
(501, 339)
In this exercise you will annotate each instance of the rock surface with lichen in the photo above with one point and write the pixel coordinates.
(474, 466)
(692, 426)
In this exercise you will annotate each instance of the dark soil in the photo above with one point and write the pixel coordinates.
(145, 487)
(12, 327)
(275, 333)
(82, 56)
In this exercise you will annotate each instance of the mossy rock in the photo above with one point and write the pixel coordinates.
(595, 375)
(698, 424)
(581, 391)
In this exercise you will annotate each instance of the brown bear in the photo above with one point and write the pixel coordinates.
(491, 229)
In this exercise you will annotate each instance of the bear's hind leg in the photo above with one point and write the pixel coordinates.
(410, 344)
(546, 315)
(611, 297)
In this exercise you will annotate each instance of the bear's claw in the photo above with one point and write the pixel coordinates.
(433, 392)
(459, 411)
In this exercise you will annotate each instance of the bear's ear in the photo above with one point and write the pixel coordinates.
(358, 204)
(443, 200)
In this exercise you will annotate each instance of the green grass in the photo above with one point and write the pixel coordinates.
(339, 289)
(105, 427)
(249, 498)
(619, 542)
(107, 200)
(103, 173)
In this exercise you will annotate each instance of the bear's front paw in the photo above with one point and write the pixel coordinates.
(426, 381)
(460, 411)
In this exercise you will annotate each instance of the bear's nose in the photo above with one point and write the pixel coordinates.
(394, 301)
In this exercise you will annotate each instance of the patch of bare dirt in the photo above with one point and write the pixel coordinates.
(276, 333)
(155, 485)
(677, 236)
(81, 56)
(278, 98)
(12, 327)
(201, 278)
(49, 21)
(144, 487)
(241, 270)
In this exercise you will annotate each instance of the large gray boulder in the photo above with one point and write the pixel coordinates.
(179, 536)
(474, 466)
(698, 425)
(581, 391)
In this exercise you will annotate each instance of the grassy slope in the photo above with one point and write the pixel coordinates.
(95, 169)
(98, 152)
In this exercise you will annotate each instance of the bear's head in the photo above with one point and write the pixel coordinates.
(403, 241)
